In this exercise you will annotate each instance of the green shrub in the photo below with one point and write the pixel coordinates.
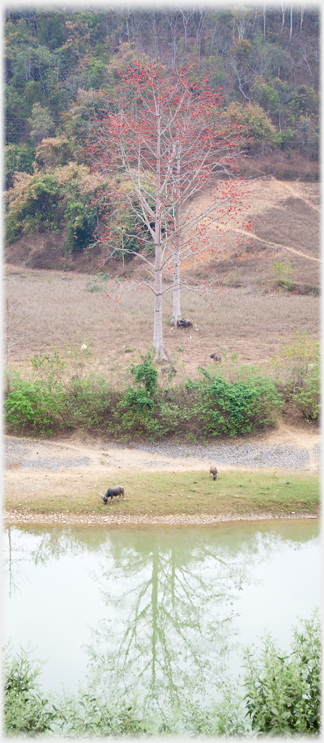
(35, 203)
(90, 716)
(307, 398)
(146, 374)
(88, 402)
(43, 405)
(17, 157)
(49, 199)
(25, 708)
(58, 397)
(282, 698)
(234, 408)
(81, 222)
(137, 413)
(210, 407)
(256, 127)
(32, 405)
(284, 275)
(297, 371)
(96, 283)
(283, 691)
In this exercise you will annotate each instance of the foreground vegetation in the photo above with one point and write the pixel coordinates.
(282, 696)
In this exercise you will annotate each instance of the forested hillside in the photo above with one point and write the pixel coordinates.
(58, 61)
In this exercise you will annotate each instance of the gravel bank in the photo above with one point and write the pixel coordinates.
(18, 453)
(242, 454)
(16, 517)
(53, 457)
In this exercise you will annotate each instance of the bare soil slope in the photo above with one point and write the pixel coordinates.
(285, 227)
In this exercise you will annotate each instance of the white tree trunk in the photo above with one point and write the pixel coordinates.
(157, 332)
(176, 314)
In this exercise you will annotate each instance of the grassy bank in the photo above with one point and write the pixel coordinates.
(174, 493)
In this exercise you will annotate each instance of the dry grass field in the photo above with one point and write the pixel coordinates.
(56, 310)
(252, 316)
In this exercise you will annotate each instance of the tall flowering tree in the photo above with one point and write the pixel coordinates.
(161, 142)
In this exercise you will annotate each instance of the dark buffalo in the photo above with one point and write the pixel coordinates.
(115, 490)
(184, 323)
(213, 471)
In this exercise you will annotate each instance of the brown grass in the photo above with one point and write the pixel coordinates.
(56, 311)
(282, 167)
(250, 317)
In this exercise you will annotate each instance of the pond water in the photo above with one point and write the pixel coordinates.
(162, 607)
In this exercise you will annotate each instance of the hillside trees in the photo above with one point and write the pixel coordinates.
(161, 136)
(266, 59)
(49, 199)
(51, 54)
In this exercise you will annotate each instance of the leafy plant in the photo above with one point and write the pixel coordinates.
(146, 374)
(18, 157)
(31, 404)
(283, 691)
(297, 370)
(26, 709)
(96, 283)
(34, 203)
(233, 408)
(93, 284)
(307, 397)
(49, 199)
(81, 222)
(255, 123)
(283, 273)
(282, 697)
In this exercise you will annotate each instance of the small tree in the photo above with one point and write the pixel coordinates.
(162, 140)
(41, 122)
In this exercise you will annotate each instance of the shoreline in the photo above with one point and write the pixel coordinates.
(53, 519)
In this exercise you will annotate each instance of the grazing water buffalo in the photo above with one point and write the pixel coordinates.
(115, 490)
(213, 471)
(184, 323)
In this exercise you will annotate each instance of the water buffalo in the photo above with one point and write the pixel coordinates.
(184, 323)
(115, 490)
(213, 471)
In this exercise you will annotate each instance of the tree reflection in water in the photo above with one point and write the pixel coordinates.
(172, 623)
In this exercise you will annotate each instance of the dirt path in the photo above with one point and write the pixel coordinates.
(263, 194)
(275, 245)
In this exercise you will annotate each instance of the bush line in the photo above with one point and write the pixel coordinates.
(50, 403)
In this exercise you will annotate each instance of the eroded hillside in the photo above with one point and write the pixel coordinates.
(285, 218)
